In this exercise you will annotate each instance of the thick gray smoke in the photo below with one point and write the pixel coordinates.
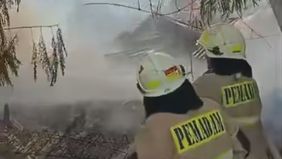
(264, 54)
(89, 33)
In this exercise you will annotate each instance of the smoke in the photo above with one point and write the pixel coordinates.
(90, 82)
(264, 54)
(89, 33)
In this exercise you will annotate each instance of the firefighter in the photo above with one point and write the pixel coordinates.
(229, 82)
(178, 123)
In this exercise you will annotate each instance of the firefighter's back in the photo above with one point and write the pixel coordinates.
(201, 134)
(239, 98)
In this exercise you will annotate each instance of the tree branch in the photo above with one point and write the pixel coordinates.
(159, 6)
(254, 31)
(32, 26)
(183, 23)
(166, 15)
(140, 9)
(151, 8)
(176, 5)
(118, 5)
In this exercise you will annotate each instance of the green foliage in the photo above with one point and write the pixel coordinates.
(8, 61)
(209, 8)
(61, 50)
(43, 57)
(34, 60)
(49, 63)
(55, 62)
(9, 64)
(197, 14)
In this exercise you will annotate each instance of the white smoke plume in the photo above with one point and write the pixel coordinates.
(89, 33)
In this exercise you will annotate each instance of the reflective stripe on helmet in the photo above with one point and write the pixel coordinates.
(151, 85)
(236, 48)
(227, 39)
(159, 74)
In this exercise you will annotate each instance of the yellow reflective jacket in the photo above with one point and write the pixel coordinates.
(240, 99)
(205, 133)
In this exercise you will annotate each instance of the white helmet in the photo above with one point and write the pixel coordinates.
(159, 75)
(223, 41)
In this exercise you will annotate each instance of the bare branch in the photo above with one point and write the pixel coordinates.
(143, 10)
(118, 5)
(254, 31)
(176, 5)
(159, 5)
(151, 8)
(166, 15)
(32, 26)
(189, 25)
(139, 7)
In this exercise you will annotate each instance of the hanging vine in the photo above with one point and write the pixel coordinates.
(49, 61)
(43, 56)
(209, 8)
(55, 62)
(34, 60)
(61, 50)
(10, 64)
(8, 61)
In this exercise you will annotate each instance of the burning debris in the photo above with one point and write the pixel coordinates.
(75, 142)
(56, 145)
